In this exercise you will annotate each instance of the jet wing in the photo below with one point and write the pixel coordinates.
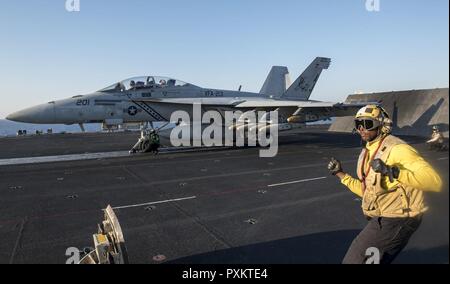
(260, 104)
(329, 109)
(312, 107)
(299, 104)
(281, 103)
(227, 102)
(238, 103)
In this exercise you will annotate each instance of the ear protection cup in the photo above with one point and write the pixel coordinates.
(386, 122)
(387, 126)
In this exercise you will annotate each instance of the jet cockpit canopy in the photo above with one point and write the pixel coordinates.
(144, 82)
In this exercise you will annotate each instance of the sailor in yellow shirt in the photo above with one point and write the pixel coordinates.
(392, 177)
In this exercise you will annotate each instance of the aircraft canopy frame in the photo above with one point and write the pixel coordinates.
(144, 82)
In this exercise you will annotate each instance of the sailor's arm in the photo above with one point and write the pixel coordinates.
(414, 170)
(354, 184)
(435, 138)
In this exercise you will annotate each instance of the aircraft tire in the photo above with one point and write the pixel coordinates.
(145, 146)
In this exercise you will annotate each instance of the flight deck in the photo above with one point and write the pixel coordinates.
(217, 206)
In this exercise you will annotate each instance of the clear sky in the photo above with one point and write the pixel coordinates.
(47, 53)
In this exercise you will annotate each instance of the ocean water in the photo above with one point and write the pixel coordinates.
(10, 128)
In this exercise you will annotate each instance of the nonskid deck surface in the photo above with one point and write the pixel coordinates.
(222, 206)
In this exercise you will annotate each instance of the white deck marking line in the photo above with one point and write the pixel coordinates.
(156, 202)
(296, 181)
(441, 159)
(95, 156)
(62, 158)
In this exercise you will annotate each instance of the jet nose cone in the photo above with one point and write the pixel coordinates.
(10, 117)
(38, 114)
(16, 116)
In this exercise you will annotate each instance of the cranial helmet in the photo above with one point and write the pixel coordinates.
(372, 117)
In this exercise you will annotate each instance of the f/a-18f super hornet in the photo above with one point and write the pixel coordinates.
(155, 99)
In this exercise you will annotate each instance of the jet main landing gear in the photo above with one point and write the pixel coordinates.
(144, 144)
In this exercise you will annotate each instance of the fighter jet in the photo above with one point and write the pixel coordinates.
(155, 98)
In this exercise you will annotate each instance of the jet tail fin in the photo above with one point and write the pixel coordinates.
(304, 85)
(277, 82)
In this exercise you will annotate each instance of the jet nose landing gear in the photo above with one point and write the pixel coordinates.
(148, 142)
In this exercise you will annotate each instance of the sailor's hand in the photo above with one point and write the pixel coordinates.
(380, 167)
(335, 166)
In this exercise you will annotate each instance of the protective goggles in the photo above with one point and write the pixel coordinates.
(367, 124)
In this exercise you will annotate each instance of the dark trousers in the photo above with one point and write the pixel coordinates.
(389, 235)
(154, 147)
